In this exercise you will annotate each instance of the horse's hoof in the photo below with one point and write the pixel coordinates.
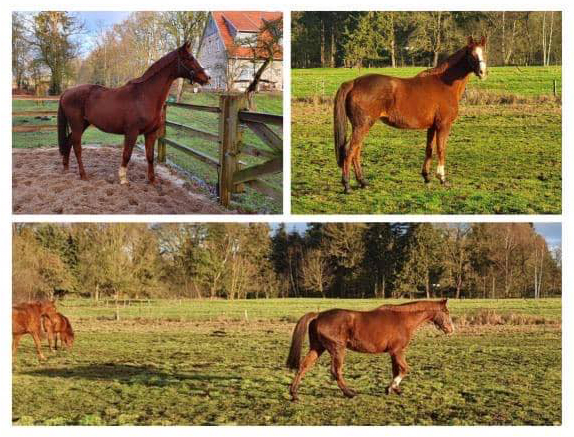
(124, 182)
(363, 184)
(84, 178)
(347, 190)
(350, 393)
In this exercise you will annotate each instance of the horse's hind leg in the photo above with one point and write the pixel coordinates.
(337, 360)
(149, 146)
(400, 369)
(129, 143)
(308, 362)
(428, 154)
(77, 143)
(353, 154)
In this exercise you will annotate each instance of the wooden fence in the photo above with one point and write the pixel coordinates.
(233, 173)
(35, 113)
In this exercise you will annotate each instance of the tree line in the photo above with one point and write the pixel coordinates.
(238, 261)
(395, 38)
(53, 44)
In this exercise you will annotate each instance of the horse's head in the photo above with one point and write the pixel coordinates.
(189, 68)
(68, 339)
(476, 56)
(442, 319)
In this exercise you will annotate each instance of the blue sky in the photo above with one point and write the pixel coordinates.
(95, 21)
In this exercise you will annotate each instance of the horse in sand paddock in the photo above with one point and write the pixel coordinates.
(427, 101)
(27, 319)
(130, 110)
(59, 325)
(388, 328)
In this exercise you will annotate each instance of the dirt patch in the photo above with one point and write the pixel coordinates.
(40, 186)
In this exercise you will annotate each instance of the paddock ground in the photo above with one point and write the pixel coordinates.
(218, 362)
(40, 186)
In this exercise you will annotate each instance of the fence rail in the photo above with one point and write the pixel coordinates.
(35, 113)
(233, 173)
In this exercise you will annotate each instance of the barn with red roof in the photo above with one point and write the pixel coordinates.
(229, 51)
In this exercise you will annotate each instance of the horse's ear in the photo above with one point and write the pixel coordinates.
(445, 301)
(470, 40)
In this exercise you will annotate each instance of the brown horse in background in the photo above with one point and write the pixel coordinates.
(427, 101)
(27, 319)
(59, 325)
(388, 328)
(130, 110)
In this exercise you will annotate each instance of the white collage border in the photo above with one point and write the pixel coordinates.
(6, 218)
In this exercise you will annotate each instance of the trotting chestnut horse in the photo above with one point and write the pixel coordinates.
(427, 101)
(388, 328)
(27, 319)
(130, 110)
(58, 326)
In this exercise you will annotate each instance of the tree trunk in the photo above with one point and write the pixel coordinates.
(322, 43)
(179, 90)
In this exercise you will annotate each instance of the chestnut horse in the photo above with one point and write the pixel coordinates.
(388, 328)
(130, 110)
(58, 325)
(27, 319)
(427, 101)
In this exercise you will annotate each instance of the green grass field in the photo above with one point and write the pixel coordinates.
(250, 200)
(222, 362)
(501, 158)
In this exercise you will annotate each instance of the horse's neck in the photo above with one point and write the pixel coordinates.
(417, 318)
(157, 86)
(457, 76)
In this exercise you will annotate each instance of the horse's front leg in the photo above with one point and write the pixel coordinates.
(129, 143)
(441, 138)
(149, 146)
(400, 369)
(428, 154)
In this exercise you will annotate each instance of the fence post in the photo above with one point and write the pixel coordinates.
(229, 137)
(161, 148)
(554, 87)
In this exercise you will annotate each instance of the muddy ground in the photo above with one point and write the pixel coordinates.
(40, 186)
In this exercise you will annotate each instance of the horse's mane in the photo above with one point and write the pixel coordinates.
(419, 305)
(444, 65)
(157, 66)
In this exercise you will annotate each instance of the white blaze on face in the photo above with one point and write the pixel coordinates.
(479, 53)
(123, 175)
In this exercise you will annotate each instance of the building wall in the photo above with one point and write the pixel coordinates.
(223, 71)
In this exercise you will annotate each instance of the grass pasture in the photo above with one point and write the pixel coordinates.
(503, 154)
(220, 362)
(250, 200)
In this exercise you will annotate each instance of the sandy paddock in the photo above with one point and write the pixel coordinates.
(40, 186)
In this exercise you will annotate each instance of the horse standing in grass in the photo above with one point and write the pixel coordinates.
(427, 101)
(27, 319)
(388, 328)
(130, 110)
(59, 325)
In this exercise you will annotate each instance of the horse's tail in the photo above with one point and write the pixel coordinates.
(294, 357)
(64, 142)
(340, 122)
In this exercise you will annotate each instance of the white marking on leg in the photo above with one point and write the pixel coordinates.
(440, 171)
(123, 173)
(396, 381)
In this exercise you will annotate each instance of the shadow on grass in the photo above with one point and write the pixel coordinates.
(128, 373)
